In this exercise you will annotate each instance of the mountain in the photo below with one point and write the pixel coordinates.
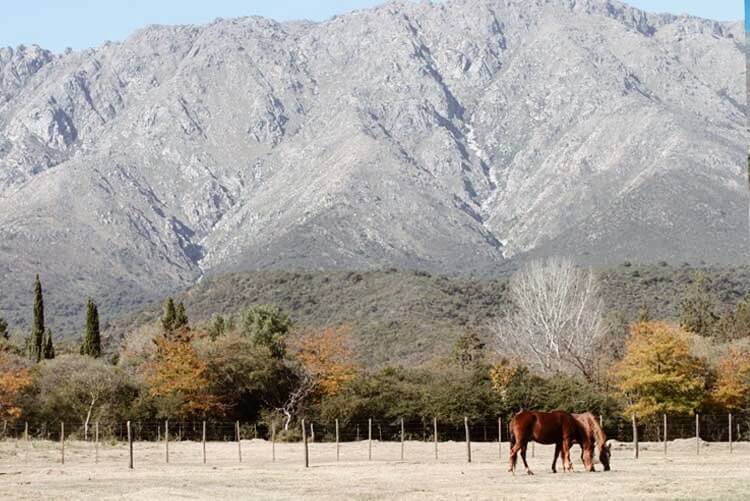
(412, 317)
(457, 137)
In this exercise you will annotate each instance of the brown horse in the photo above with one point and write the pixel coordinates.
(597, 436)
(557, 427)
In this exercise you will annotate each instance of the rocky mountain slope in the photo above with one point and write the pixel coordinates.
(450, 137)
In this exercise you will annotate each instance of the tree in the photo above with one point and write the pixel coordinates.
(697, 313)
(659, 374)
(177, 379)
(217, 327)
(180, 319)
(468, 351)
(92, 341)
(4, 334)
(36, 344)
(243, 376)
(267, 326)
(169, 315)
(48, 351)
(732, 388)
(80, 388)
(556, 318)
(327, 357)
(15, 380)
(736, 324)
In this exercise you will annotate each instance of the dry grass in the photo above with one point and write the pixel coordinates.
(36, 473)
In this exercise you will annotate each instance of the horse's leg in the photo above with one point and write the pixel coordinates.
(587, 456)
(554, 459)
(523, 456)
(514, 456)
(567, 464)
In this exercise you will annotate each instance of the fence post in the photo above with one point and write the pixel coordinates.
(96, 442)
(62, 442)
(635, 438)
(166, 440)
(130, 447)
(730, 433)
(402, 439)
(500, 437)
(273, 441)
(312, 432)
(468, 439)
(369, 439)
(203, 442)
(304, 440)
(337, 439)
(697, 433)
(435, 436)
(666, 434)
(238, 435)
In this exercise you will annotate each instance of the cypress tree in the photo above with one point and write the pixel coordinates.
(169, 315)
(36, 346)
(92, 341)
(181, 319)
(4, 334)
(48, 352)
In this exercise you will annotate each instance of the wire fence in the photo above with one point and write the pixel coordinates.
(368, 433)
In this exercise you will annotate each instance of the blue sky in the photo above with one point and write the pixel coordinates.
(57, 24)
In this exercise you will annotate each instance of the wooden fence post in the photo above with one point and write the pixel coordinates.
(130, 447)
(468, 439)
(635, 438)
(402, 439)
(96, 442)
(203, 442)
(697, 433)
(500, 437)
(273, 441)
(238, 434)
(435, 436)
(304, 441)
(730, 433)
(369, 439)
(337, 439)
(62, 442)
(166, 440)
(666, 434)
(312, 432)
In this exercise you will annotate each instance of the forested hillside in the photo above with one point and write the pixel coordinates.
(412, 317)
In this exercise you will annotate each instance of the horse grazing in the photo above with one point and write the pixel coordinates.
(593, 434)
(557, 427)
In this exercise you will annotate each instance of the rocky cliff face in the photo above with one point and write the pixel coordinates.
(450, 137)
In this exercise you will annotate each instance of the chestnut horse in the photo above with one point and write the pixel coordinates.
(557, 427)
(596, 436)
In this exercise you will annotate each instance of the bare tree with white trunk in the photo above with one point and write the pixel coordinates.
(555, 319)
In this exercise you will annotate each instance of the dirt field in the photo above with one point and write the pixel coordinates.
(36, 473)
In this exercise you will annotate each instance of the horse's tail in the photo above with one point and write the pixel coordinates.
(511, 435)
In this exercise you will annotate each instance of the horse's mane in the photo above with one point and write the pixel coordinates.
(591, 424)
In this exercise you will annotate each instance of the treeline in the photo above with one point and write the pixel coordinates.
(256, 365)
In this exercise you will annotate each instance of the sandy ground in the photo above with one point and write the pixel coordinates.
(33, 471)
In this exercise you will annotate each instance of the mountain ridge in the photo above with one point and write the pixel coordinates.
(455, 137)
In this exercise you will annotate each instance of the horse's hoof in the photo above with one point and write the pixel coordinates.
(529, 472)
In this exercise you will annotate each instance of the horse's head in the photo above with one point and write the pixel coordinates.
(604, 455)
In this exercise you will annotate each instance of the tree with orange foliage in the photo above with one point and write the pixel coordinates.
(327, 356)
(732, 389)
(15, 379)
(177, 379)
